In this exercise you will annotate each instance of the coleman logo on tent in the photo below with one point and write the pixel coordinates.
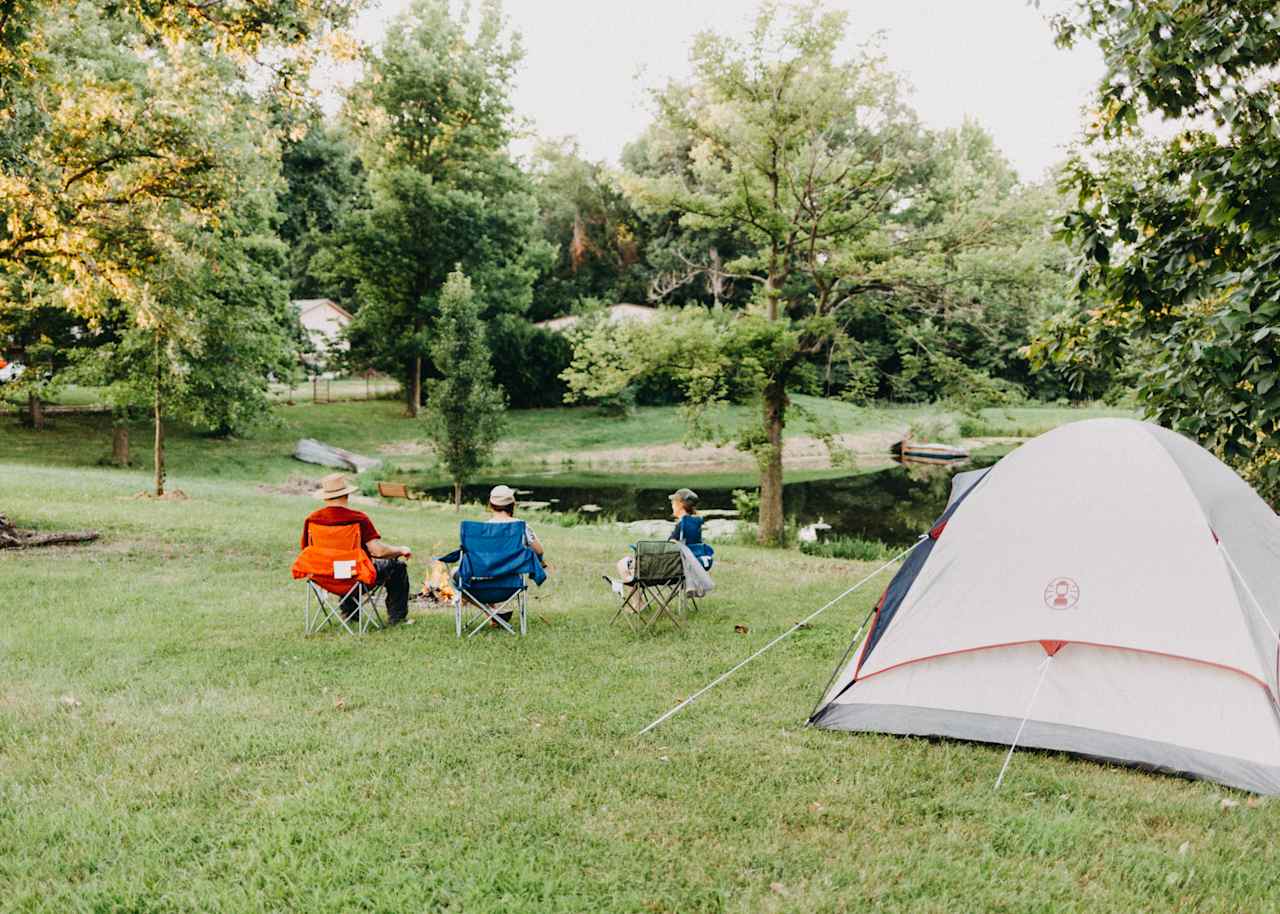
(1062, 593)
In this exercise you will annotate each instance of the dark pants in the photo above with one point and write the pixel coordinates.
(393, 574)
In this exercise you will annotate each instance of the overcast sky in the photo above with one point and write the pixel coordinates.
(588, 62)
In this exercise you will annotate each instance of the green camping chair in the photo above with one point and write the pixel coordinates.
(656, 588)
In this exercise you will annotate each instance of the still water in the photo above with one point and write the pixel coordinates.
(893, 505)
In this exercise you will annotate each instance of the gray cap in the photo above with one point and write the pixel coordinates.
(502, 495)
(683, 495)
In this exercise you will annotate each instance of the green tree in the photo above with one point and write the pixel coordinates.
(434, 118)
(164, 255)
(324, 181)
(597, 235)
(202, 348)
(1178, 241)
(465, 409)
(824, 179)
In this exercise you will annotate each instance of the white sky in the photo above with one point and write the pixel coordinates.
(588, 62)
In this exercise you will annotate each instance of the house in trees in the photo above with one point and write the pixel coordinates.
(323, 321)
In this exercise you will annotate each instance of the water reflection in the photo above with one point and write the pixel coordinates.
(894, 505)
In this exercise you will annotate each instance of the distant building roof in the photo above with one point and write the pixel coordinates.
(617, 314)
(323, 320)
(310, 305)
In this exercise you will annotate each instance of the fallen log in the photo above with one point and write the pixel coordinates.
(13, 538)
(308, 450)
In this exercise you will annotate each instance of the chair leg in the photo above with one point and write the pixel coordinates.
(524, 614)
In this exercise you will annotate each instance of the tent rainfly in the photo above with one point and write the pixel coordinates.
(1110, 589)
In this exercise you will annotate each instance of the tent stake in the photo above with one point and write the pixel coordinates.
(1044, 668)
(723, 676)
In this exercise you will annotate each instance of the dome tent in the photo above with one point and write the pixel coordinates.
(1109, 589)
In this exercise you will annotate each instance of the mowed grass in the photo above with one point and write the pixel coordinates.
(169, 741)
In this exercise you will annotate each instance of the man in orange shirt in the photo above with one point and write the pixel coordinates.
(392, 574)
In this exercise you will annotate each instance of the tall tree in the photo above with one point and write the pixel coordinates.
(465, 409)
(598, 237)
(805, 157)
(213, 329)
(130, 208)
(1179, 240)
(433, 115)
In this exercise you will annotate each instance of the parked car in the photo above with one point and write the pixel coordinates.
(10, 371)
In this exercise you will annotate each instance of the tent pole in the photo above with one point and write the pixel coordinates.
(1275, 696)
(1044, 668)
(723, 676)
(1249, 590)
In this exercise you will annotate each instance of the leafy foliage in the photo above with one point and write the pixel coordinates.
(324, 181)
(1179, 241)
(857, 253)
(433, 116)
(140, 206)
(528, 361)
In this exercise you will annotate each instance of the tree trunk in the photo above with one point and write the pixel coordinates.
(771, 517)
(457, 495)
(159, 446)
(414, 392)
(120, 444)
(35, 411)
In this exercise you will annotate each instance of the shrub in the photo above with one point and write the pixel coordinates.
(747, 503)
(527, 362)
(939, 427)
(851, 547)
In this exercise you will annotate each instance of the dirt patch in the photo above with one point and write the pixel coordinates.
(294, 485)
(171, 495)
(406, 449)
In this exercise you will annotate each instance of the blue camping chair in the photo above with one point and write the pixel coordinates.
(493, 564)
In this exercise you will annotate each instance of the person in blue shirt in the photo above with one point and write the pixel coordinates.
(688, 529)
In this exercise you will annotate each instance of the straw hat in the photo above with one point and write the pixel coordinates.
(502, 495)
(333, 486)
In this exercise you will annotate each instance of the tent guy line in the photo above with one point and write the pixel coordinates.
(1044, 669)
(792, 630)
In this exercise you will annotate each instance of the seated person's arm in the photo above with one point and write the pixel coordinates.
(534, 544)
(379, 550)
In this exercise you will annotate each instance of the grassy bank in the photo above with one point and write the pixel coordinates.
(561, 440)
(170, 742)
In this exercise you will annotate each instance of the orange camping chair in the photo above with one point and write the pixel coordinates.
(337, 569)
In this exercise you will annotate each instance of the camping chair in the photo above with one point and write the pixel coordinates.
(657, 584)
(337, 571)
(493, 564)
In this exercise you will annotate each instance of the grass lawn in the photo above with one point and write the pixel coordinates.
(170, 742)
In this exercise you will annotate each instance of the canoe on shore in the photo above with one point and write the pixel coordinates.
(925, 452)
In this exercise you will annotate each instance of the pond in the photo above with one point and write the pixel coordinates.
(893, 505)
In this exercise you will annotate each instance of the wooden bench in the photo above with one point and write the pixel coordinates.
(395, 490)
